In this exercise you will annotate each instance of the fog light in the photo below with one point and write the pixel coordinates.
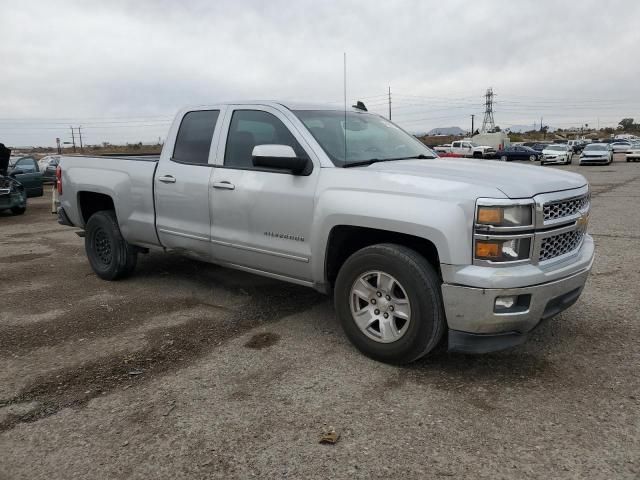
(505, 303)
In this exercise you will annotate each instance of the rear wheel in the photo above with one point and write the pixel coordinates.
(18, 210)
(389, 303)
(110, 256)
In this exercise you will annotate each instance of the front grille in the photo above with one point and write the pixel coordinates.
(557, 245)
(565, 208)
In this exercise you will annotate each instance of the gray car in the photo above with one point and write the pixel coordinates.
(596, 153)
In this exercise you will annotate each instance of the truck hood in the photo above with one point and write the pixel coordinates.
(515, 181)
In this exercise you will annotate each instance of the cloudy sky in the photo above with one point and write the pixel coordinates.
(122, 68)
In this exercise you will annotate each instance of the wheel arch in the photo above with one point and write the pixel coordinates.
(91, 202)
(344, 240)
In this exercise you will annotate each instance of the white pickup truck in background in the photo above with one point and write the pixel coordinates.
(468, 149)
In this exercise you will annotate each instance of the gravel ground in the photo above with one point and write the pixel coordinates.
(188, 370)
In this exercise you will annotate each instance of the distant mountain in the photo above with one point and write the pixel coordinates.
(525, 128)
(446, 131)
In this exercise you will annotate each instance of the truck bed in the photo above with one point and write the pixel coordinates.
(128, 178)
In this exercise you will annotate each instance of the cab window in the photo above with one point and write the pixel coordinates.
(194, 137)
(249, 128)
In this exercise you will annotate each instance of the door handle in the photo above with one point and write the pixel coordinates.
(224, 185)
(167, 179)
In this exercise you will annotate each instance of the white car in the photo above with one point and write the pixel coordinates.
(596, 153)
(633, 153)
(557, 153)
(44, 162)
(619, 147)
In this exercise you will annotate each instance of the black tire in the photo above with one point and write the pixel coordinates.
(110, 256)
(422, 285)
(18, 210)
(532, 158)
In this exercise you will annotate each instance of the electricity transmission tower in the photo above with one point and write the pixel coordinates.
(488, 124)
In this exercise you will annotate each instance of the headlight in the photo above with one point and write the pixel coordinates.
(503, 250)
(508, 216)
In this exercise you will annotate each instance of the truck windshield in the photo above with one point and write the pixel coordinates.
(368, 137)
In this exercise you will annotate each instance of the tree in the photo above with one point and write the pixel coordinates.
(626, 123)
(497, 129)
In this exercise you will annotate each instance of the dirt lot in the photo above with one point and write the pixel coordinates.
(189, 370)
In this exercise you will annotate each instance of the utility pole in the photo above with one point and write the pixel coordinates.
(472, 128)
(80, 135)
(389, 103)
(73, 139)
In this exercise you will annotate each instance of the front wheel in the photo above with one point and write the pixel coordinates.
(503, 158)
(532, 158)
(18, 210)
(388, 300)
(109, 254)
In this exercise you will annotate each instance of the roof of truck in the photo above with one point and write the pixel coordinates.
(292, 105)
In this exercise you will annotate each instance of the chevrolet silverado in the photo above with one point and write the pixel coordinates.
(416, 250)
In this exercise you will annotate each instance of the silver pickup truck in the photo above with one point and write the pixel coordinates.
(416, 250)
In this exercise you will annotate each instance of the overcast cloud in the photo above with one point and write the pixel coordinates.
(122, 68)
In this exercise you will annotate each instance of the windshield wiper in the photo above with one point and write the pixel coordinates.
(377, 160)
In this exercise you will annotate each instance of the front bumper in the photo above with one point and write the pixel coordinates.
(556, 160)
(474, 325)
(594, 160)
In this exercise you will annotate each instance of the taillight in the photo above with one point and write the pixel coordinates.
(59, 179)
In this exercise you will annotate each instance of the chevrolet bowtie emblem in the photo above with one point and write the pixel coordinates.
(582, 222)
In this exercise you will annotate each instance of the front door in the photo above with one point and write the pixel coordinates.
(262, 218)
(181, 185)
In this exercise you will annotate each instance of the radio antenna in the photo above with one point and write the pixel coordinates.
(345, 105)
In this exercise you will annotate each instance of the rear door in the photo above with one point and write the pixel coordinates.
(181, 184)
(261, 219)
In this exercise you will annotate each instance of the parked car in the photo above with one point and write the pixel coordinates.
(596, 153)
(467, 148)
(12, 196)
(512, 152)
(556, 153)
(414, 249)
(633, 153)
(26, 171)
(47, 165)
(620, 147)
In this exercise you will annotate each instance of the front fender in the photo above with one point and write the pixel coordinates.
(445, 223)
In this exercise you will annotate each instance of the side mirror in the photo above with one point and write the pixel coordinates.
(16, 172)
(281, 157)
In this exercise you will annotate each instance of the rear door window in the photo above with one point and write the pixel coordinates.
(193, 141)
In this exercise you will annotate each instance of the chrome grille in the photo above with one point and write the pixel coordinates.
(565, 208)
(556, 245)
